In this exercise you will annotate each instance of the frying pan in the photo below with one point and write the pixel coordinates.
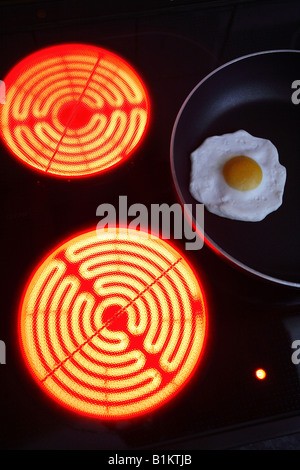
(253, 93)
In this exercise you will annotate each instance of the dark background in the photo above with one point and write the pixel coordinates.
(173, 45)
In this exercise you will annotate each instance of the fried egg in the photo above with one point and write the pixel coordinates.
(238, 176)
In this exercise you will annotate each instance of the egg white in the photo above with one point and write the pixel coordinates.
(208, 186)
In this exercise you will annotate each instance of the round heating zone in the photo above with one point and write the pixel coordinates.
(73, 110)
(112, 323)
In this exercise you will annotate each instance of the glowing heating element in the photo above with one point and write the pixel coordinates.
(112, 324)
(73, 110)
(260, 374)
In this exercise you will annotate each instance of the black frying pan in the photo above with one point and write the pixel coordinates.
(253, 93)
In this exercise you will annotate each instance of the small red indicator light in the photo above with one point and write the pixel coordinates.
(260, 374)
(112, 323)
(73, 110)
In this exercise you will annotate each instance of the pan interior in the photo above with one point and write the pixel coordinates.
(254, 94)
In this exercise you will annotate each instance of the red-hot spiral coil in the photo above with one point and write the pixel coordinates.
(113, 323)
(73, 110)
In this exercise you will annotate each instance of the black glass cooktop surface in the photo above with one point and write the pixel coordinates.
(252, 324)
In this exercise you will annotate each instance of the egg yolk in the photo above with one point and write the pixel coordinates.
(242, 173)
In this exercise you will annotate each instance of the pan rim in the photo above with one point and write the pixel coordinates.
(213, 245)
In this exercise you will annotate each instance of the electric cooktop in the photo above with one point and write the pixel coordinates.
(116, 333)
